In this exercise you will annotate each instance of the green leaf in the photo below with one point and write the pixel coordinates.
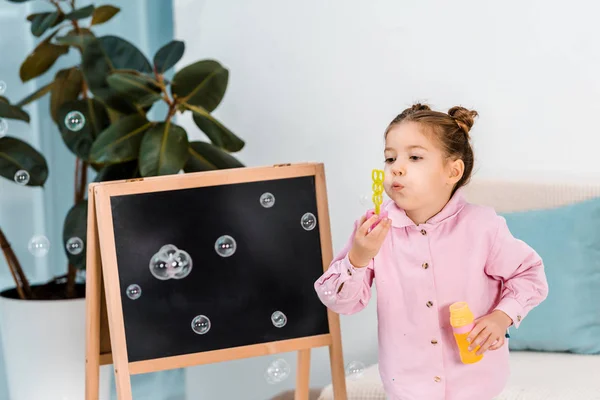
(41, 59)
(96, 120)
(35, 95)
(80, 13)
(103, 14)
(138, 88)
(75, 226)
(201, 84)
(168, 55)
(204, 156)
(42, 21)
(218, 134)
(9, 111)
(114, 172)
(68, 84)
(120, 142)
(124, 55)
(76, 39)
(17, 155)
(104, 55)
(164, 150)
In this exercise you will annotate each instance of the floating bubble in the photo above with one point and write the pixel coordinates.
(159, 267)
(355, 369)
(2, 87)
(279, 319)
(277, 371)
(183, 264)
(366, 200)
(74, 121)
(39, 245)
(74, 245)
(225, 246)
(134, 291)
(327, 292)
(170, 262)
(3, 127)
(201, 324)
(267, 200)
(168, 250)
(22, 177)
(309, 221)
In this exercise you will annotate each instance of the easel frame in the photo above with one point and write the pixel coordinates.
(105, 331)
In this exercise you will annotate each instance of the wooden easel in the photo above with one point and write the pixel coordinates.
(105, 333)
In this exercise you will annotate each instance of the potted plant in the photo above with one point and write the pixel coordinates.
(100, 107)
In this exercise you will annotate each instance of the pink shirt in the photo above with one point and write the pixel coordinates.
(464, 253)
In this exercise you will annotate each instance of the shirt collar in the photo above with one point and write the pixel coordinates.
(452, 207)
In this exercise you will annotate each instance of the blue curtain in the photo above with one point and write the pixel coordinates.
(147, 24)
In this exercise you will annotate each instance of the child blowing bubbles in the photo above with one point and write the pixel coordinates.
(433, 250)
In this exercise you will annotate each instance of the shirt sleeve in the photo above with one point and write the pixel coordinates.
(521, 271)
(343, 288)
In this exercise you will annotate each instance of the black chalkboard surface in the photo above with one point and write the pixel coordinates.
(198, 268)
(273, 268)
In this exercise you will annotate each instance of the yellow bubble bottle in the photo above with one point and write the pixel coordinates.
(462, 321)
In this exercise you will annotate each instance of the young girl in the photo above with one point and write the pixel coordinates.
(435, 249)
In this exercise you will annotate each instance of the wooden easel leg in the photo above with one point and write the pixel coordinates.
(336, 358)
(303, 375)
(92, 298)
(123, 383)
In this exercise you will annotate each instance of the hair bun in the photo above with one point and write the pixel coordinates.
(464, 118)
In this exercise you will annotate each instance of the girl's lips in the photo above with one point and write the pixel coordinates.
(397, 186)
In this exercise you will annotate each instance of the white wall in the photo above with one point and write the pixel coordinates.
(319, 80)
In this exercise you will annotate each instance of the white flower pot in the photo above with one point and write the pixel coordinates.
(44, 349)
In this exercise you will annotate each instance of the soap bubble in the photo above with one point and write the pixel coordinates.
(2, 87)
(309, 221)
(277, 371)
(355, 369)
(168, 250)
(134, 291)
(3, 127)
(39, 245)
(74, 121)
(183, 264)
(225, 246)
(366, 200)
(170, 262)
(201, 324)
(159, 267)
(22, 177)
(74, 245)
(267, 200)
(279, 319)
(327, 291)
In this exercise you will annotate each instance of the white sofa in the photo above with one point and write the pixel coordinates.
(534, 375)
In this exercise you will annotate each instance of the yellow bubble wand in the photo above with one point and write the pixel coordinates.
(377, 176)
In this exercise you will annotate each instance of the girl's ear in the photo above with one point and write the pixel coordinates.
(456, 168)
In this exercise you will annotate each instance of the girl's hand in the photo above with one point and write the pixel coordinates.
(489, 331)
(366, 244)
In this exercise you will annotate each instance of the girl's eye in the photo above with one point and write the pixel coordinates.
(389, 160)
(415, 158)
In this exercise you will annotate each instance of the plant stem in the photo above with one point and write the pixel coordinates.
(80, 187)
(22, 285)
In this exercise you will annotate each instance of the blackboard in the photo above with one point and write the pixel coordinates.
(273, 268)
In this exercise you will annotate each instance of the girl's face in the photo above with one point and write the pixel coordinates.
(418, 176)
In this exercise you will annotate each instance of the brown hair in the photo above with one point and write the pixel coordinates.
(451, 130)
